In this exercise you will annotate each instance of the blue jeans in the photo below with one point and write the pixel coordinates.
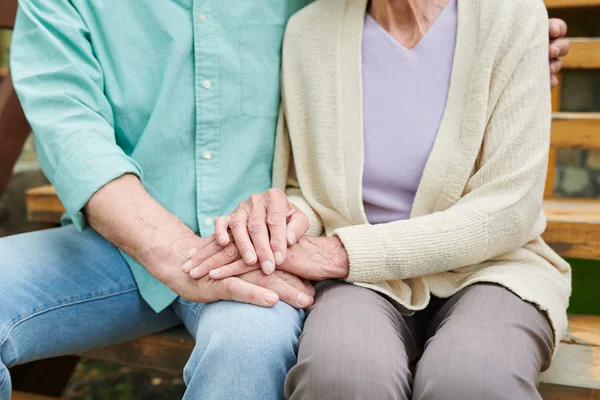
(65, 292)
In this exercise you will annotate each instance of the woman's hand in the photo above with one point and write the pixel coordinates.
(312, 258)
(559, 47)
(262, 228)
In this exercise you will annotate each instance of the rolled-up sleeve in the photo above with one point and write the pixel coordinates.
(60, 84)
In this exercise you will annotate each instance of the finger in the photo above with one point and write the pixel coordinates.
(297, 226)
(197, 256)
(225, 256)
(555, 66)
(559, 48)
(553, 81)
(259, 233)
(277, 210)
(286, 291)
(301, 284)
(239, 230)
(234, 269)
(239, 290)
(222, 230)
(558, 28)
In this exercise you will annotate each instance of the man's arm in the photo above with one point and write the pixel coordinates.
(60, 84)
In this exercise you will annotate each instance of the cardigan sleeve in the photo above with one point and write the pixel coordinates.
(284, 176)
(502, 200)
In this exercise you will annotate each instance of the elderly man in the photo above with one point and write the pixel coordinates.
(151, 119)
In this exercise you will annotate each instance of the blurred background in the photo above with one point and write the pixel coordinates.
(577, 174)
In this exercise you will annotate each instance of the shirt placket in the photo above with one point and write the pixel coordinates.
(207, 143)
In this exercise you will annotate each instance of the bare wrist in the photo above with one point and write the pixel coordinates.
(340, 267)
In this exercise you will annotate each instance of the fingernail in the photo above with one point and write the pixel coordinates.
(192, 252)
(214, 273)
(270, 298)
(303, 299)
(249, 257)
(291, 237)
(187, 265)
(194, 272)
(268, 267)
(223, 239)
(278, 258)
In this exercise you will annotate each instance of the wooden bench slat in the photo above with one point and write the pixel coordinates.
(584, 54)
(571, 3)
(573, 227)
(43, 205)
(30, 396)
(3, 72)
(575, 365)
(165, 351)
(576, 130)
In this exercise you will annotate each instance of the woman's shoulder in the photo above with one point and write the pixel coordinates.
(514, 17)
(316, 17)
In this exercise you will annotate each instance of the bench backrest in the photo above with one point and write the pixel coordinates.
(8, 11)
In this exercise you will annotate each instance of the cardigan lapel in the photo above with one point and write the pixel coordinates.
(351, 104)
(447, 168)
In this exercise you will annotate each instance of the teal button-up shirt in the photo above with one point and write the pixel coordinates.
(182, 93)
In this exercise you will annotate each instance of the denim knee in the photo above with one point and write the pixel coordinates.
(233, 337)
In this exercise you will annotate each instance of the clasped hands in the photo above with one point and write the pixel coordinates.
(261, 247)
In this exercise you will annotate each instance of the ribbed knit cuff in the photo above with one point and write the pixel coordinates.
(365, 252)
(416, 247)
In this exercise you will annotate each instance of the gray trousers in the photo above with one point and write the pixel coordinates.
(484, 343)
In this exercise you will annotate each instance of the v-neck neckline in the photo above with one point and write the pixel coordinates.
(388, 36)
(440, 191)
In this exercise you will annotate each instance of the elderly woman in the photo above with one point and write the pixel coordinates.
(414, 137)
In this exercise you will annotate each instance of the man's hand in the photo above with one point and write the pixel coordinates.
(262, 227)
(312, 258)
(559, 47)
(127, 216)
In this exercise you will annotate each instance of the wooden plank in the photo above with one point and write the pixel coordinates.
(43, 205)
(553, 153)
(573, 227)
(30, 396)
(575, 365)
(584, 54)
(47, 377)
(166, 351)
(557, 392)
(3, 72)
(571, 3)
(14, 130)
(576, 130)
(584, 330)
(8, 11)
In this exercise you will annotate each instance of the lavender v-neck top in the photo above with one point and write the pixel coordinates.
(404, 94)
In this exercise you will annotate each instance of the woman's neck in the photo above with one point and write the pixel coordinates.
(406, 20)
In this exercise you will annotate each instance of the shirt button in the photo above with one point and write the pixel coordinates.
(207, 155)
(207, 84)
(202, 18)
(208, 221)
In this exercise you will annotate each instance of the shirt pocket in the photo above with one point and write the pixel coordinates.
(260, 58)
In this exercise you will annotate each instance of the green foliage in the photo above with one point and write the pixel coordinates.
(586, 287)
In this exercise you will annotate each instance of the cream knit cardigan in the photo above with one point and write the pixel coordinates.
(477, 215)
